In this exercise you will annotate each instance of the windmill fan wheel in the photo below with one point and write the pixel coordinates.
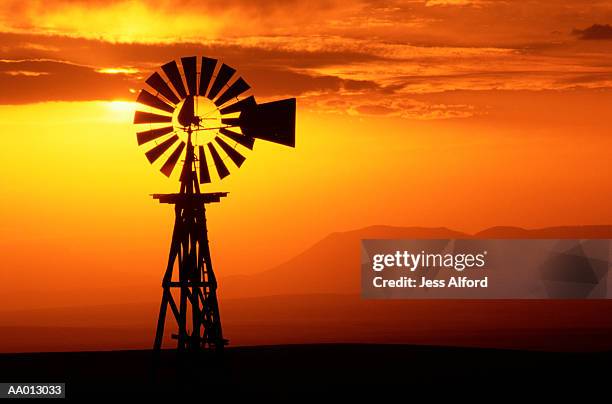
(201, 104)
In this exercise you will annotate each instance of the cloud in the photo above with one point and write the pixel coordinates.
(40, 80)
(30, 81)
(431, 22)
(413, 109)
(432, 3)
(389, 105)
(594, 32)
(285, 51)
(360, 57)
(271, 82)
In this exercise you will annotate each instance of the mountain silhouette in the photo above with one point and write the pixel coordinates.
(332, 264)
(561, 232)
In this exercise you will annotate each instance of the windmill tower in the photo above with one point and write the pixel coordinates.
(199, 117)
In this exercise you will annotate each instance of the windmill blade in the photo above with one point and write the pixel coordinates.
(158, 150)
(232, 121)
(146, 98)
(172, 160)
(191, 73)
(156, 82)
(172, 71)
(147, 136)
(224, 75)
(186, 114)
(236, 157)
(221, 168)
(246, 141)
(271, 121)
(242, 105)
(208, 68)
(147, 117)
(204, 174)
(238, 87)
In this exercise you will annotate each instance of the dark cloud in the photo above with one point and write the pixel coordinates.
(374, 109)
(68, 67)
(594, 32)
(28, 81)
(276, 81)
(104, 53)
(61, 67)
(586, 79)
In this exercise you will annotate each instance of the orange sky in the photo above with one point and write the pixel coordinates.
(464, 114)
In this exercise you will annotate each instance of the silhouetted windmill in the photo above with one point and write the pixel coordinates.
(200, 111)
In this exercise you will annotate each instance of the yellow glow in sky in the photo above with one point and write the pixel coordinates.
(117, 70)
(118, 22)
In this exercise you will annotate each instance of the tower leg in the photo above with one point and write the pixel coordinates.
(208, 293)
(161, 322)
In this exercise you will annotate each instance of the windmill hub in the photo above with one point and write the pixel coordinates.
(204, 125)
(200, 118)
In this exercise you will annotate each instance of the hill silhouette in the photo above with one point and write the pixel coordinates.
(286, 370)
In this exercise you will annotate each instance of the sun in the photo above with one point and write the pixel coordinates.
(119, 110)
(121, 106)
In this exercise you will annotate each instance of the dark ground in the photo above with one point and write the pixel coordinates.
(293, 371)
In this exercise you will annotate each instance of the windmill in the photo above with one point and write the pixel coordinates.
(198, 116)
